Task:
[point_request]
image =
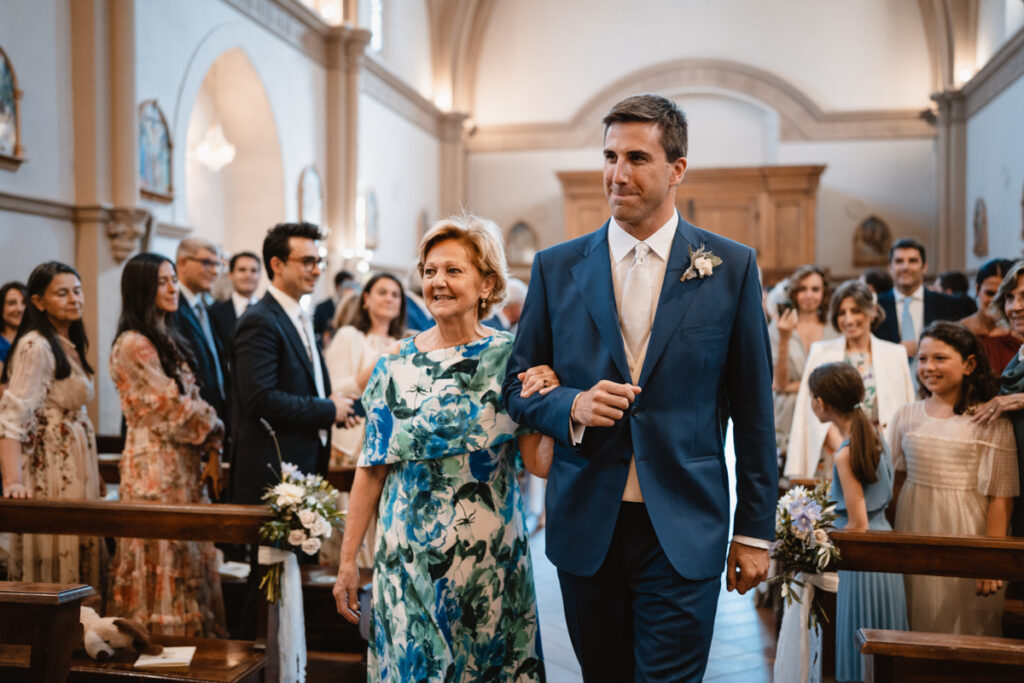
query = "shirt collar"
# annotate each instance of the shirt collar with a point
(292, 307)
(242, 301)
(621, 242)
(190, 296)
(916, 295)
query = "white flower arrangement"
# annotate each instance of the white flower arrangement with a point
(803, 519)
(305, 511)
(702, 264)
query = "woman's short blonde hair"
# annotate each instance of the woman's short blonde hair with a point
(486, 246)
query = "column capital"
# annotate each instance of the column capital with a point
(345, 47)
(453, 125)
(122, 225)
(952, 106)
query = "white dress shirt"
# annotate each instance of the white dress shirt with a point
(916, 309)
(304, 326)
(241, 303)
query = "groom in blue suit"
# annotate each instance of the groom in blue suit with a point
(655, 331)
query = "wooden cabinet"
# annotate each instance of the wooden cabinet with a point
(770, 208)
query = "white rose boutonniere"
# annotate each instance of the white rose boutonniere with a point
(702, 264)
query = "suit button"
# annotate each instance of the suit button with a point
(624, 461)
(634, 411)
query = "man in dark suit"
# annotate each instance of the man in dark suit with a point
(909, 306)
(244, 272)
(323, 314)
(280, 377)
(198, 261)
(656, 333)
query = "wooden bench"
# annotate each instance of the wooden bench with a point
(916, 656)
(219, 661)
(45, 616)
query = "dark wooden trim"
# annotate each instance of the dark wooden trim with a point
(18, 592)
(902, 553)
(964, 648)
(224, 523)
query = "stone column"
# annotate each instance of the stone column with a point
(453, 163)
(951, 147)
(344, 62)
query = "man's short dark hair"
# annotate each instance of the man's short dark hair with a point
(996, 267)
(907, 243)
(650, 108)
(878, 279)
(276, 241)
(954, 281)
(342, 277)
(241, 254)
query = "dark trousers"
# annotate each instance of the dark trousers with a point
(637, 618)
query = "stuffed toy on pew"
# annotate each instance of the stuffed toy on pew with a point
(103, 636)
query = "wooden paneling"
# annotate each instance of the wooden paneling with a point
(770, 208)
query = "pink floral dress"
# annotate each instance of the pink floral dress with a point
(58, 449)
(171, 586)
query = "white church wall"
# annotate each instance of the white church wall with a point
(995, 173)
(542, 61)
(998, 21)
(399, 162)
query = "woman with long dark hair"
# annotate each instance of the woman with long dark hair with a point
(47, 444)
(13, 299)
(171, 586)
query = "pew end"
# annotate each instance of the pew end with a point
(910, 657)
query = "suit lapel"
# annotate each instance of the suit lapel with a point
(291, 335)
(676, 296)
(593, 276)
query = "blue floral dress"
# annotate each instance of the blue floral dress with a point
(453, 593)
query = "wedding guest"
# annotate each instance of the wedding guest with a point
(1009, 304)
(13, 296)
(881, 364)
(801, 321)
(878, 279)
(862, 477)
(956, 473)
(989, 325)
(453, 592)
(47, 444)
(324, 312)
(170, 586)
(954, 283)
(244, 272)
(507, 318)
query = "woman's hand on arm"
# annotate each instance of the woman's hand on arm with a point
(538, 452)
(362, 505)
(988, 412)
(538, 379)
(10, 469)
(997, 521)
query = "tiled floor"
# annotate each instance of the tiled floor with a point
(743, 647)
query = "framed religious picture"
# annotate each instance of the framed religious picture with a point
(311, 196)
(871, 242)
(154, 153)
(11, 152)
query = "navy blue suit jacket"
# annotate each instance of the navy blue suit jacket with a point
(936, 307)
(206, 371)
(708, 359)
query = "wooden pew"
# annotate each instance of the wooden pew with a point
(215, 660)
(45, 614)
(915, 656)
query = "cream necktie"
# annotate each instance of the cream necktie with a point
(637, 302)
(307, 340)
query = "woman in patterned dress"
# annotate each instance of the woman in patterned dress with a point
(171, 586)
(453, 592)
(47, 444)
(882, 366)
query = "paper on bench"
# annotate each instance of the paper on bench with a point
(170, 658)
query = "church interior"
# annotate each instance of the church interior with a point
(820, 132)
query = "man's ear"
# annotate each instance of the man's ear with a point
(678, 171)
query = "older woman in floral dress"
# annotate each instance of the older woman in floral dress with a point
(171, 586)
(453, 592)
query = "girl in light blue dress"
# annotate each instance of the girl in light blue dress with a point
(862, 478)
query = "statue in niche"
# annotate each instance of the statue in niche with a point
(871, 242)
(980, 228)
(521, 244)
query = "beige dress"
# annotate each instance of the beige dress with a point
(58, 448)
(954, 467)
(349, 353)
(170, 586)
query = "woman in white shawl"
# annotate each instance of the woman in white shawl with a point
(882, 365)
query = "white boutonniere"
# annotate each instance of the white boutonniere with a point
(702, 264)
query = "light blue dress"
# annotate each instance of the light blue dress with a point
(866, 599)
(453, 593)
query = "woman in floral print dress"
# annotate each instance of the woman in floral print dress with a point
(453, 592)
(171, 586)
(47, 444)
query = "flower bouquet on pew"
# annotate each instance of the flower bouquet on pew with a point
(803, 520)
(305, 508)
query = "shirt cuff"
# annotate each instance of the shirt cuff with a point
(576, 429)
(752, 542)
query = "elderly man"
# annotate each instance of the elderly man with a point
(507, 319)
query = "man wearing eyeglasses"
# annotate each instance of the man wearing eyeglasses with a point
(198, 264)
